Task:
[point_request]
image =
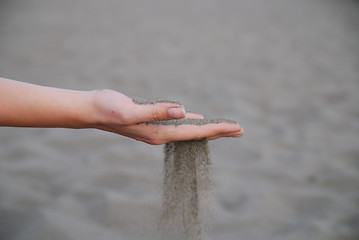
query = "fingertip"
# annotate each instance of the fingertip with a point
(238, 134)
(176, 112)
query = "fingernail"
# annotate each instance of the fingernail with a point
(176, 113)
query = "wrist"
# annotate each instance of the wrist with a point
(90, 117)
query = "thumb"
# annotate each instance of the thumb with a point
(157, 112)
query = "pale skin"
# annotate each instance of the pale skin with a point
(29, 105)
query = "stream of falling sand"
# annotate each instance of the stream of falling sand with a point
(187, 188)
(187, 183)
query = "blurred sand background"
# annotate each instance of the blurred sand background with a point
(286, 70)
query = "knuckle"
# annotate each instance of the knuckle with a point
(125, 119)
(156, 116)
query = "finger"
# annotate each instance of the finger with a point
(233, 135)
(196, 132)
(156, 112)
(193, 115)
(160, 134)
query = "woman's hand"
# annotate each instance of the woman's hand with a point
(28, 105)
(119, 114)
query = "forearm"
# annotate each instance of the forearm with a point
(28, 105)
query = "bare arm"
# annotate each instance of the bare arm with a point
(29, 105)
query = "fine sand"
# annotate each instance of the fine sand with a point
(286, 70)
(187, 189)
(187, 182)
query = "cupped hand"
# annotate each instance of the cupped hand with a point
(118, 113)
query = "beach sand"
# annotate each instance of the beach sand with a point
(187, 190)
(187, 182)
(286, 70)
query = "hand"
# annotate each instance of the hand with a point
(29, 105)
(119, 114)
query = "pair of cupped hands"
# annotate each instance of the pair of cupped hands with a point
(126, 117)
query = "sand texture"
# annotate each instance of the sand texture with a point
(186, 190)
(178, 122)
(138, 100)
(285, 70)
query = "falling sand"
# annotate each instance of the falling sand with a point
(187, 183)
(186, 189)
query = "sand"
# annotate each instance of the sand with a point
(143, 101)
(187, 190)
(286, 70)
(178, 122)
(187, 184)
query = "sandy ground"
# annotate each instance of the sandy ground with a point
(286, 70)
